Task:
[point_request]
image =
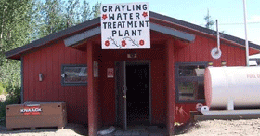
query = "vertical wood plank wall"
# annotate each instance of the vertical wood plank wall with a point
(48, 61)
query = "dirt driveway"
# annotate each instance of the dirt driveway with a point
(70, 130)
(249, 127)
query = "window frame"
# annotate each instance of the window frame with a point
(187, 78)
(72, 65)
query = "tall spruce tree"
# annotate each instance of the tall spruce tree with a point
(56, 15)
(15, 31)
(86, 11)
(96, 10)
(51, 17)
(209, 21)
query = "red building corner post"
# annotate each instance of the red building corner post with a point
(92, 104)
(170, 72)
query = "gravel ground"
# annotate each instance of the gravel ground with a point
(69, 130)
(250, 127)
(241, 127)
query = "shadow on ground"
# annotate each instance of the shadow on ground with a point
(185, 128)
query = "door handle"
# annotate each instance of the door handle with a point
(124, 91)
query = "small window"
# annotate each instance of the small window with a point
(191, 70)
(74, 75)
(190, 81)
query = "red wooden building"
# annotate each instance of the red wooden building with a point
(163, 83)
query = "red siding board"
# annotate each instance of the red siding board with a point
(209, 48)
(224, 50)
(232, 59)
(71, 91)
(193, 52)
(55, 72)
(200, 51)
(37, 87)
(50, 74)
(44, 71)
(30, 71)
(243, 57)
(25, 78)
(238, 57)
(187, 53)
(253, 51)
(204, 44)
(158, 92)
(61, 61)
(181, 54)
(108, 96)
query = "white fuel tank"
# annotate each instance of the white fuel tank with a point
(238, 84)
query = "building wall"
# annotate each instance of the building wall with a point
(106, 89)
(200, 50)
(48, 61)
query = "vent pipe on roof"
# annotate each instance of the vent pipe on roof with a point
(216, 52)
(218, 41)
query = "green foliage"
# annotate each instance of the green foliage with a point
(209, 21)
(86, 14)
(13, 94)
(52, 16)
(2, 89)
(96, 10)
(15, 31)
(27, 20)
(13, 97)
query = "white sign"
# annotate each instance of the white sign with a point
(125, 26)
(110, 72)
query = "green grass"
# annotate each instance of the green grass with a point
(2, 89)
(12, 98)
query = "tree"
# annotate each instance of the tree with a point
(27, 20)
(49, 17)
(96, 10)
(209, 21)
(22, 21)
(55, 15)
(72, 13)
(86, 14)
(15, 31)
